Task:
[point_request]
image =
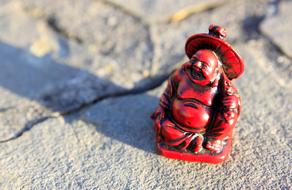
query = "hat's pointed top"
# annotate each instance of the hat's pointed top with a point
(217, 31)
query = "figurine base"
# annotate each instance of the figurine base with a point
(204, 157)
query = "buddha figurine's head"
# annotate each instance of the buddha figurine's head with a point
(204, 67)
(212, 50)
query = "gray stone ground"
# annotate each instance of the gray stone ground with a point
(79, 79)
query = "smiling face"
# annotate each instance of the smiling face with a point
(204, 67)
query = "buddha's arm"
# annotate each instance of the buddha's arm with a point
(225, 118)
(168, 94)
(227, 114)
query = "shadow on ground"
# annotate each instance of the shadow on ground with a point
(125, 119)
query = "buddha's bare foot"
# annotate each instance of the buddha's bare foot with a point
(215, 145)
(198, 141)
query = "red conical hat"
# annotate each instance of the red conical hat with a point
(233, 64)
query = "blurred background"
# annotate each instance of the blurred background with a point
(71, 64)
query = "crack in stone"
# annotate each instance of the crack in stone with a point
(53, 24)
(251, 27)
(272, 11)
(274, 46)
(27, 127)
(154, 83)
(251, 30)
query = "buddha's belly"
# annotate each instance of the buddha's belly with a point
(191, 114)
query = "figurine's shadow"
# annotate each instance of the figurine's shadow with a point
(125, 119)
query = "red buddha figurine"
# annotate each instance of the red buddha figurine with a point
(200, 106)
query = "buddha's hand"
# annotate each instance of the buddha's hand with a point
(214, 145)
(159, 113)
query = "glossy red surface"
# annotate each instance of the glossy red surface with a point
(190, 157)
(233, 64)
(200, 106)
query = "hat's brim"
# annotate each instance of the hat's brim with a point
(233, 64)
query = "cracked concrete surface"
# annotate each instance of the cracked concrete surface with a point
(79, 79)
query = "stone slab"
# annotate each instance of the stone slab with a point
(278, 29)
(112, 146)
